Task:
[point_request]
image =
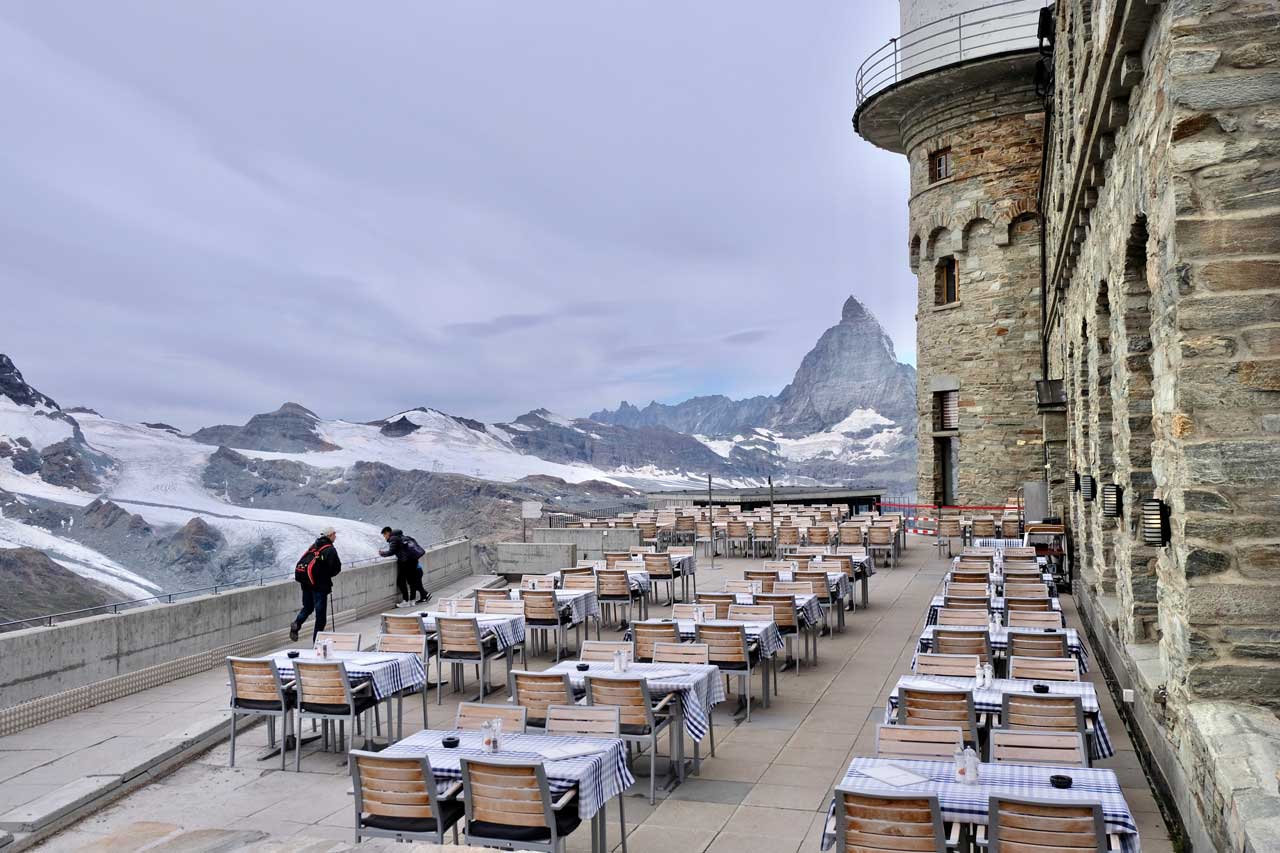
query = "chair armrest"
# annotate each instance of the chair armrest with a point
(980, 835)
(953, 836)
(666, 700)
(363, 687)
(453, 791)
(565, 800)
(292, 685)
(1113, 842)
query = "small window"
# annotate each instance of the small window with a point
(946, 410)
(939, 165)
(946, 286)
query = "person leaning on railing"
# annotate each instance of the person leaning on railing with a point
(314, 573)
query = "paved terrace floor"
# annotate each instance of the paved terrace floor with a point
(765, 791)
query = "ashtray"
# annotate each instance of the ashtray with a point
(1048, 630)
(294, 653)
(451, 742)
(583, 667)
(1040, 688)
(1059, 781)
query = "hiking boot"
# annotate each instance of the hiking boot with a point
(293, 632)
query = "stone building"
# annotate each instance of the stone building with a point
(1155, 210)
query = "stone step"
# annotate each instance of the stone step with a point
(42, 811)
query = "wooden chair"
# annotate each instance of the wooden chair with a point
(961, 616)
(587, 569)
(537, 582)
(1024, 605)
(762, 538)
(983, 528)
(968, 590)
(820, 535)
(920, 707)
(851, 533)
(979, 577)
(964, 602)
(1032, 747)
(693, 653)
(258, 691)
(612, 558)
(643, 721)
(692, 612)
(685, 531)
(1044, 712)
(583, 581)
(342, 642)
(787, 539)
(1020, 552)
(402, 624)
(602, 650)
(948, 529)
(1034, 619)
(648, 533)
(586, 720)
(881, 540)
(464, 604)
(877, 820)
(1025, 645)
(509, 805)
(419, 646)
(958, 666)
(536, 691)
(728, 649)
(646, 634)
(787, 619)
(821, 585)
(957, 641)
(661, 570)
(325, 693)
(543, 615)
(506, 607)
(1025, 590)
(462, 642)
(743, 586)
(484, 596)
(1026, 824)
(737, 536)
(1044, 669)
(921, 742)
(473, 715)
(399, 798)
(615, 592)
(764, 577)
(793, 588)
(1011, 528)
(722, 601)
(970, 563)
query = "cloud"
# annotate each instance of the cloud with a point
(746, 336)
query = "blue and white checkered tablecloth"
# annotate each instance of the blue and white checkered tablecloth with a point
(808, 608)
(838, 583)
(637, 579)
(581, 603)
(599, 777)
(969, 802)
(764, 633)
(1000, 641)
(700, 687)
(508, 629)
(390, 672)
(685, 565)
(996, 604)
(989, 699)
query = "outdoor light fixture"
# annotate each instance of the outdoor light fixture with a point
(1155, 522)
(1088, 488)
(1111, 500)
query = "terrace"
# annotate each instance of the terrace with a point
(150, 769)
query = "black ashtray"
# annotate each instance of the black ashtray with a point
(294, 653)
(583, 667)
(1040, 688)
(449, 742)
(1058, 781)
(1048, 630)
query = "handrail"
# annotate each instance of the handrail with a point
(945, 42)
(47, 620)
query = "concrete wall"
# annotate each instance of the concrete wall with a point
(534, 558)
(591, 543)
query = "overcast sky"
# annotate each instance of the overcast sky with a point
(212, 207)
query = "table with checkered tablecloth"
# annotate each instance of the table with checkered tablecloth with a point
(837, 583)
(1000, 640)
(598, 777)
(581, 603)
(988, 700)
(507, 629)
(699, 686)
(764, 634)
(808, 608)
(996, 605)
(997, 580)
(637, 579)
(969, 802)
(390, 672)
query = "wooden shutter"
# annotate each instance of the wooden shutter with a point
(950, 409)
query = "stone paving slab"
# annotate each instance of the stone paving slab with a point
(46, 809)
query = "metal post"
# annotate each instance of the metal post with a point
(711, 516)
(775, 532)
(960, 36)
(895, 61)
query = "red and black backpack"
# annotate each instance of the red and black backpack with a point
(306, 565)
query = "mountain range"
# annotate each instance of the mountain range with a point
(136, 507)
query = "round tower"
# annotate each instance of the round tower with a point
(955, 93)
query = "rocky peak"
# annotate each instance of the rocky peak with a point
(289, 429)
(13, 386)
(195, 543)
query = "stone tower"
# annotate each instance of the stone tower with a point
(955, 93)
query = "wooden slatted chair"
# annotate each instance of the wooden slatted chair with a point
(543, 615)
(472, 715)
(880, 540)
(463, 604)
(762, 538)
(646, 634)
(505, 606)
(537, 582)
(960, 616)
(1034, 605)
(969, 563)
(648, 533)
(258, 691)
(787, 619)
(1026, 645)
(851, 533)
(1064, 749)
(787, 539)
(819, 535)
(920, 707)
(958, 641)
(1011, 528)
(722, 601)
(706, 535)
(692, 612)
(342, 641)
(612, 558)
(751, 612)
(585, 580)
(601, 651)
(614, 591)
(921, 742)
(1024, 824)
(1035, 619)
(958, 666)
(417, 645)
(685, 530)
(694, 653)
(971, 576)
(643, 721)
(325, 693)
(407, 624)
(737, 537)
(661, 570)
(878, 820)
(1044, 669)
(742, 586)
(821, 586)
(1044, 712)
(977, 551)
(587, 720)
(948, 529)
(984, 528)
(399, 798)
(1025, 590)
(969, 590)
(484, 596)
(587, 568)
(766, 578)
(536, 691)
(509, 805)
(462, 641)
(958, 602)
(728, 649)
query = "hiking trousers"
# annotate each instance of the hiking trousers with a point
(313, 601)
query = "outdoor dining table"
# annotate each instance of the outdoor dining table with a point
(808, 608)
(1000, 640)
(989, 700)
(581, 604)
(507, 629)
(598, 777)
(764, 634)
(995, 604)
(969, 802)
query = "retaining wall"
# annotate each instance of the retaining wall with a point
(591, 542)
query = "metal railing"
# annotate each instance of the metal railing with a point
(995, 28)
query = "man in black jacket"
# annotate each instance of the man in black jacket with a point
(315, 573)
(408, 572)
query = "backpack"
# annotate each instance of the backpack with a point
(307, 563)
(413, 548)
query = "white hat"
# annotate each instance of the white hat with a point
(328, 532)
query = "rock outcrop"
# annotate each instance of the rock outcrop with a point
(35, 585)
(13, 386)
(289, 429)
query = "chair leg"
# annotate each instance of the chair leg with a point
(622, 822)
(653, 770)
(284, 742)
(233, 739)
(297, 752)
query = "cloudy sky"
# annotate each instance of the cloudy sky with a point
(214, 207)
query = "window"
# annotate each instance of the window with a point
(946, 410)
(946, 287)
(939, 165)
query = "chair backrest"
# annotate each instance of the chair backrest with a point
(1035, 619)
(645, 634)
(1020, 551)
(956, 641)
(920, 707)
(684, 523)
(765, 578)
(874, 820)
(658, 565)
(537, 690)
(1025, 590)
(402, 623)
(963, 602)
(473, 715)
(1042, 712)
(1032, 747)
(1045, 825)
(736, 529)
(1044, 669)
(680, 653)
(879, 536)
(819, 581)
(850, 534)
(584, 581)
(970, 590)
(833, 563)
(613, 584)
(779, 566)
(343, 642)
(459, 635)
(923, 742)
(540, 605)
(584, 568)
(819, 535)
(949, 528)
(692, 611)
(721, 601)
(463, 604)
(984, 528)
(322, 685)
(783, 606)
(725, 644)
(974, 564)
(1010, 528)
(962, 616)
(762, 529)
(628, 693)
(751, 612)
(851, 550)
(747, 586)
(588, 720)
(961, 666)
(417, 644)
(1040, 605)
(508, 793)
(1026, 645)
(255, 680)
(537, 582)
(484, 596)
(602, 650)
(388, 787)
(507, 607)
(977, 551)
(971, 576)
(613, 557)
(793, 588)
(788, 535)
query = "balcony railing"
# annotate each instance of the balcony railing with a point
(973, 33)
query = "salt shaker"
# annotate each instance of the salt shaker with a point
(618, 661)
(977, 674)
(961, 766)
(988, 675)
(970, 766)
